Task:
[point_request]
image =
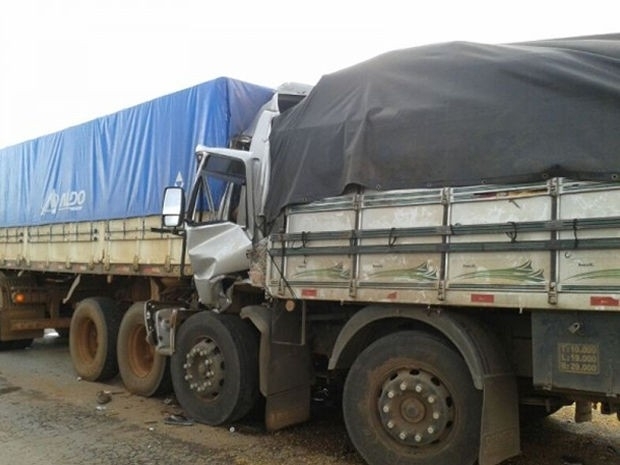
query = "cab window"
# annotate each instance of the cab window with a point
(219, 194)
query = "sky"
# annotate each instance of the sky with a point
(65, 62)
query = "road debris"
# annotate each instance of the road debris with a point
(179, 420)
(103, 397)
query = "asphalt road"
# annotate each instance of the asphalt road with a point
(51, 417)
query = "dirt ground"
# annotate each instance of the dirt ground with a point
(51, 417)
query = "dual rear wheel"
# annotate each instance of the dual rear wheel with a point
(103, 342)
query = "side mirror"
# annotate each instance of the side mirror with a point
(173, 207)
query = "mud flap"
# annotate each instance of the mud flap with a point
(285, 367)
(288, 386)
(499, 431)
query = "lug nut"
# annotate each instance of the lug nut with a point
(436, 415)
(431, 399)
(391, 394)
(418, 438)
(402, 435)
(403, 386)
(390, 424)
(430, 430)
(418, 388)
(386, 408)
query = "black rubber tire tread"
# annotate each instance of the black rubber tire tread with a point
(105, 316)
(238, 341)
(157, 381)
(363, 385)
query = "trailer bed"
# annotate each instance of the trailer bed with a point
(549, 245)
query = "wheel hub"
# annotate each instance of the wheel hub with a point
(413, 410)
(204, 369)
(415, 407)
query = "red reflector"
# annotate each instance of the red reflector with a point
(392, 295)
(308, 292)
(604, 301)
(483, 298)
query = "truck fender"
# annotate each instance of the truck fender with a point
(261, 319)
(483, 354)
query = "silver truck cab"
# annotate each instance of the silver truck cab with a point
(224, 213)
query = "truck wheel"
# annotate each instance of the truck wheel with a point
(143, 370)
(409, 399)
(215, 367)
(92, 338)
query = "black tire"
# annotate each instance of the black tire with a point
(409, 399)
(142, 369)
(227, 389)
(92, 338)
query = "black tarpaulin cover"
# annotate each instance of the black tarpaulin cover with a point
(453, 114)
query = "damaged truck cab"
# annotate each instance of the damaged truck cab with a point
(224, 215)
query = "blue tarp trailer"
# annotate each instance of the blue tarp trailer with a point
(117, 166)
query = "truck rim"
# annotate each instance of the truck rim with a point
(141, 354)
(205, 369)
(409, 398)
(415, 407)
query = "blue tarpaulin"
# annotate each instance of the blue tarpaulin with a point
(117, 166)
